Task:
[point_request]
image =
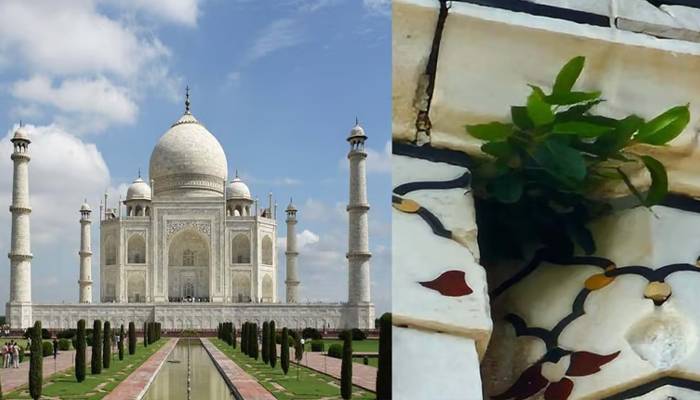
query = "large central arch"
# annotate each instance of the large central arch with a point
(189, 261)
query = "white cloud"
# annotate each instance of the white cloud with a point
(184, 12)
(378, 7)
(97, 97)
(278, 35)
(72, 37)
(90, 66)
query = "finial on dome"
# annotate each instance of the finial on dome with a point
(187, 99)
(139, 172)
(21, 124)
(236, 172)
(357, 121)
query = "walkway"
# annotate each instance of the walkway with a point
(12, 378)
(247, 386)
(135, 385)
(363, 376)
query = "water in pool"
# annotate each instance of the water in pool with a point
(171, 381)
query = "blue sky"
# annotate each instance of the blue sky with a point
(278, 82)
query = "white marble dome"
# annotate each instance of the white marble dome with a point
(139, 190)
(21, 134)
(237, 189)
(357, 132)
(189, 159)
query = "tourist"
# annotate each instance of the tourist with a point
(6, 355)
(15, 355)
(55, 348)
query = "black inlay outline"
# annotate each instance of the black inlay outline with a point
(685, 3)
(462, 182)
(653, 385)
(433, 222)
(430, 153)
(543, 10)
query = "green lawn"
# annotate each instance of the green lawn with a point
(311, 384)
(63, 385)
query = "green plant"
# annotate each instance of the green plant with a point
(383, 384)
(80, 352)
(46, 348)
(96, 360)
(121, 342)
(106, 345)
(64, 344)
(36, 362)
(284, 357)
(335, 350)
(265, 348)
(317, 345)
(66, 334)
(273, 345)
(132, 338)
(346, 368)
(233, 335)
(537, 181)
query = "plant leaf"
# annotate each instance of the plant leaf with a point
(580, 129)
(500, 150)
(561, 161)
(520, 117)
(568, 98)
(664, 127)
(568, 75)
(537, 109)
(630, 186)
(507, 188)
(659, 181)
(577, 111)
(491, 131)
(611, 142)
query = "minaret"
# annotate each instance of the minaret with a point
(85, 253)
(358, 243)
(292, 281)
(20, 252)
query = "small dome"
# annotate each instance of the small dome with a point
(85, 207)
(291, 207)
(139, 190)
(21, 134)
(357, 132)
(237, 190)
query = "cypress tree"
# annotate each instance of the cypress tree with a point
(273, 344)
(145, 334)
(107, 345)
(218, 331)
(346, 367)
(233, 335)
(284, 356)
(244, 338)
(132, 338)
(384, 362)
(80, 352)
(36, 363)
(96, 361)
(265, 345)
(121, 342)
(254, 340)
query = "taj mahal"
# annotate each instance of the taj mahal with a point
(188, 247)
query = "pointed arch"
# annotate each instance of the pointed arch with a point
(240, 249)
(136, 249)
(267, 250)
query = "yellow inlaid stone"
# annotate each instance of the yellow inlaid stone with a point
(598, 281)
(407, 206)
(657, 291)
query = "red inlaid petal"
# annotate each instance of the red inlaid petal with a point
(450, 283)
(585, 363)
(559, 390)
(528, 384)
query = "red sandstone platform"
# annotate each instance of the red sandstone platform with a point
(135, 385)
(245, 385)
